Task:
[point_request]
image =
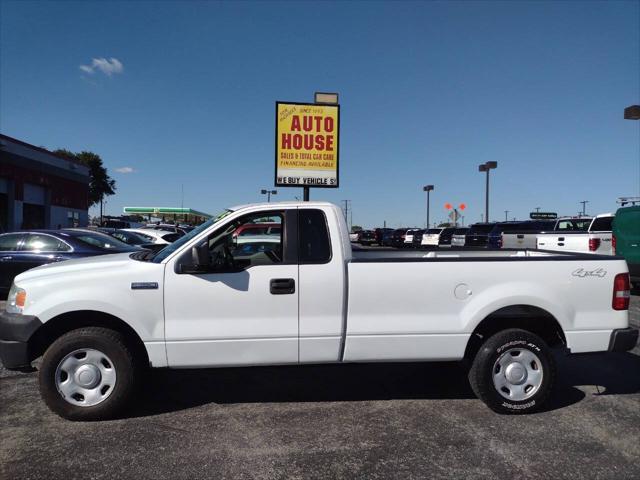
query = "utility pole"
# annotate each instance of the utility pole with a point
(482, 218)
(584, 206)
(347, 210)
(506, 213)
(537, 209)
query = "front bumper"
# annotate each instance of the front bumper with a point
(623, 340)
(15, 332)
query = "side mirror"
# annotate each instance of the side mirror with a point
(200, 261)
(200, 255)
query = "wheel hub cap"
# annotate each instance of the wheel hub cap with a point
(85, 377)
(517, 374)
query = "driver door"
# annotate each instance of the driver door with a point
(244, 309)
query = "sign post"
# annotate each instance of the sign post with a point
(543, 215)
(307, 144)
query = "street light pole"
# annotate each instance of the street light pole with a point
(427, 188)
(633, 113)
(268, 193)
(486, 167)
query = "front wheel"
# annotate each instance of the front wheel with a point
(513, 372)
(88, 374)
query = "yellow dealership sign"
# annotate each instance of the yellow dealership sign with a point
(307, 140)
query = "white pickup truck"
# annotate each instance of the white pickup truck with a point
(528, 237)
(208, 301)
(597, 238)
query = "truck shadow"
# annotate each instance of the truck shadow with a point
(175, 390)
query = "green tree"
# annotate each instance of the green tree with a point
(100, 183)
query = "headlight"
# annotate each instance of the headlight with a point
(16, 300)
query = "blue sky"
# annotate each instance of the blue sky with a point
(428, 91)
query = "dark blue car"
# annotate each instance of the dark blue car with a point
(20, 251)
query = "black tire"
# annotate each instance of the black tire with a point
(482, 371)
(111, 343)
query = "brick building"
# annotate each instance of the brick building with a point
(39, 189)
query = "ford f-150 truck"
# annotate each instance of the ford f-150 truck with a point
(528, 237)
(208, 301)
(597, 238)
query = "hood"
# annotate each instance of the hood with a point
(99, 262)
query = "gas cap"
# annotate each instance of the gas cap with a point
(462, 291)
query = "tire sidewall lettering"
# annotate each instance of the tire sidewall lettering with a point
(514, 343)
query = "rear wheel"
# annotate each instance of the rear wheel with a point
(513, 372)
(88, 374)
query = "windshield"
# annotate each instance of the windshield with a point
(168, 250)
(574, 224)
(129, 238)
(102, 241)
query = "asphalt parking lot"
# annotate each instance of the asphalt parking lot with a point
(337, 421)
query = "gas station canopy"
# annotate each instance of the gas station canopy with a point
(185, 214)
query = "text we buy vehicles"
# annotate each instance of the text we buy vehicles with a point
(597, 238)
(208, 300)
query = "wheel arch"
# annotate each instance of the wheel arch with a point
(66, 322)
(527, 317)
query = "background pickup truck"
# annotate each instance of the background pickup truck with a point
(626, 239)
(597, 238)
(208, 300)
(527, 236)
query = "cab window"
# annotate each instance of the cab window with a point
(246, 242)
(314, 244)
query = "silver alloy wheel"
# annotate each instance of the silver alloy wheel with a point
(517, 374)
(85, 377)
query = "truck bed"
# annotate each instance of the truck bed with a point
(407, 305)
(360, 256)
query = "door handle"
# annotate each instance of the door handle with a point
(282, 286)
(520, 236)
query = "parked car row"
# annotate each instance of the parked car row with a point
(570, 234)
(21, 251)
